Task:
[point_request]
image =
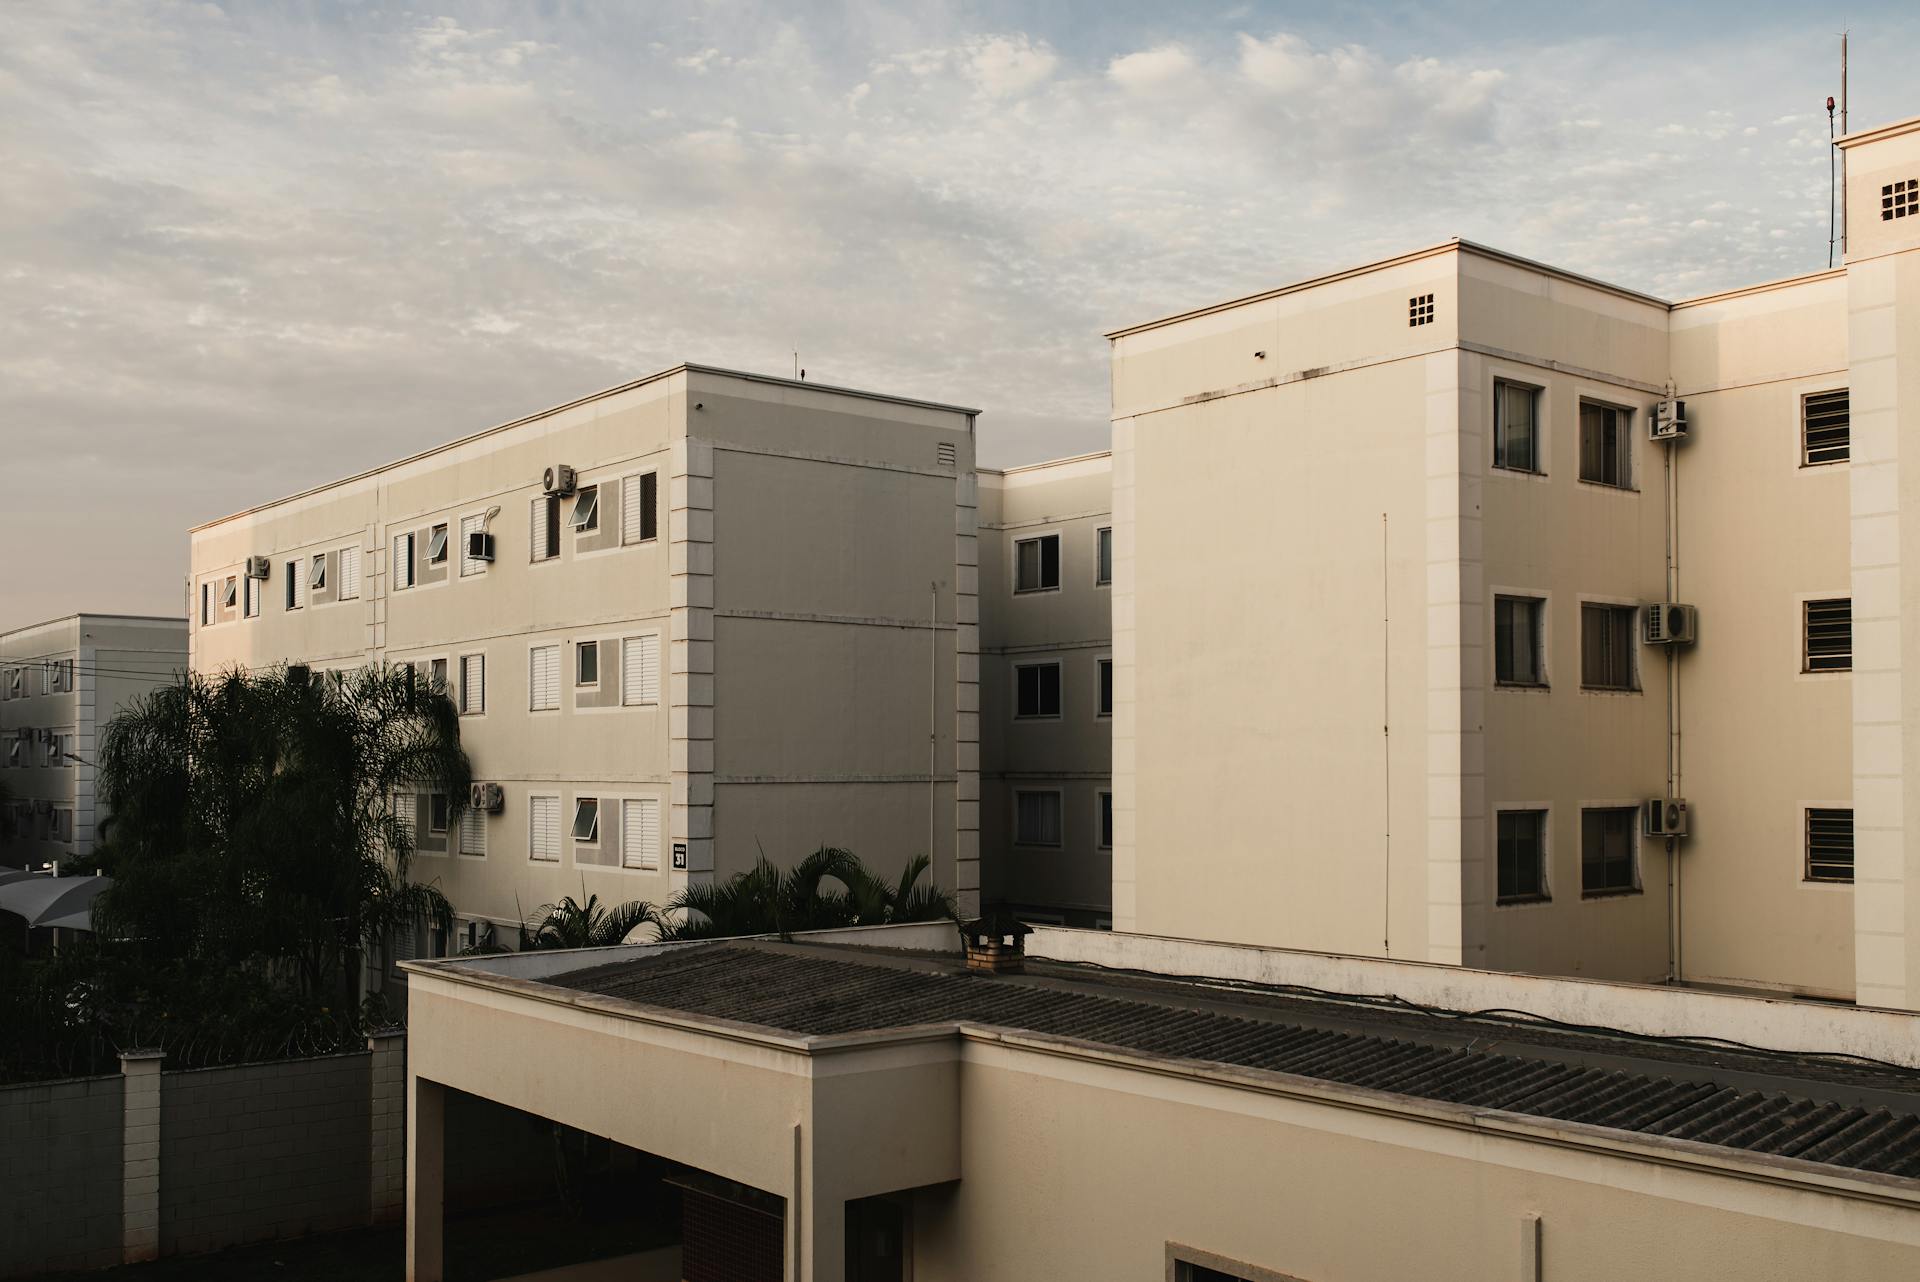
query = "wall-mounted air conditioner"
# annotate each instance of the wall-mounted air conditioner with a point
(1669, 421)
(558, 481)
(479, 546)
(489, 797)
(1670, 623)
(1664, 817)
(259, 567)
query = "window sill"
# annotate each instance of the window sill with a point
(1522, 901)
(1826, 672)
(1807, 466)
(638, 543)
(1622, 893)
(1609, 485)
(1540, 686)
(1826, 881)
(1028, 845)
(1036, 716)
(1035, 591)
(1586, 689)
(1504, 470)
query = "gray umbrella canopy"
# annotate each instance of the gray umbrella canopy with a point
(52, 901)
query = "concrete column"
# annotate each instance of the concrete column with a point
(826, 1257)
(426, 1179)
(140, 1156)
(690, 656)
(966, 696)
(388, 1126)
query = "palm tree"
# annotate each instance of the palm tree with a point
(260, 823)
(765, 900)
(569, 924)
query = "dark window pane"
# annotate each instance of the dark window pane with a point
(1514, 432)
(1829, 635)
(1516, 640)
(1830, 845)
(1521, 855)
(1826, 427)
(1603, 444)
(1606, 850)
(649, 505)
(1606, 647)
(1106, 687)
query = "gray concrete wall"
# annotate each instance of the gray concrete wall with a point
(60, 1175)
(263, 1151)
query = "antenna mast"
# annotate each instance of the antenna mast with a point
(1843, 154)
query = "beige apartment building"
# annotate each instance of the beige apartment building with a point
(1142, 1108)
(61, 682)
(1046, 686)
(1389, 546)
(692, 619)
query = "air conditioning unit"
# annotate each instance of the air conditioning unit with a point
(486, 796)
(1669, 623)
(1669, 422)
(259, 567)
(479, 546)
(1664, 817)
(558, 481)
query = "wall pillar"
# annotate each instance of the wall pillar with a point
(387, 1170)
(966, 696)
(140, 1156)
(426, 1179)
(690, 655)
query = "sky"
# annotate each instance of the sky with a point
(247, 249)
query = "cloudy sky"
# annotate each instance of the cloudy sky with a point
(248, 248)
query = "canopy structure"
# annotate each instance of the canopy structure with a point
(51, 901)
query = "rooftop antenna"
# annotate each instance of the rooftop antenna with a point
(1832, 153)
(1843, 154)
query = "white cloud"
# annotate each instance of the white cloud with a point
(1154, 69)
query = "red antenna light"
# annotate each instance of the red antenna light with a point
(1829, 104)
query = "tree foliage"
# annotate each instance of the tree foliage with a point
(258, 851)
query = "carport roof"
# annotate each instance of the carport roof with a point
(1834, 1111)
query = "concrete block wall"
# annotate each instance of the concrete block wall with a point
(261, 1151)
(60, 1175)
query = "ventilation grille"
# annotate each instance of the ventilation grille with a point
(945, 454)
(1900, 200)
(1420, 309)
(1825, 424)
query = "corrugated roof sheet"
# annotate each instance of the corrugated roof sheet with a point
(823, 992)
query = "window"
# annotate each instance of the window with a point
(586, 510)
(55, 748)
(230, 593)
(546, 527)
(436, 544)
(1828, 628)
(1606, 851)
(1103, 556)
(1038, 690)
(1036, 818)
(1825, 428)
(1829, 844)
(60, 676)
(16, 683)
(349, 573)
(206, 604)
(1106, 688)
(403, 567)
(1037, 564)
(586, 820)
(250, 597)
(437, 675)
(1900, 199)
(473, 683)
(1521, 854)
(317, 572)
(639, 508)
(437, 812)
(640, 670)
(473, 832)
(1420, 310)
(296, 585)
(1519, 624)
(1604, 444)
(640, 834)
(1106, 821)
(543, 678)
(470, 526)
(1606, 647)
(17, 749)
(403, 815)
(1516, 436)
(543, 829)
(586, 664)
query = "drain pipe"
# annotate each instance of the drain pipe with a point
(1673, 704)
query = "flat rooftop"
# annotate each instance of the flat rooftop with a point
(1833, 1110)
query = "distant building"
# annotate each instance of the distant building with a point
(1390, 677)
(61, 682)
(688, 621)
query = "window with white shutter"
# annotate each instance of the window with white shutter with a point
(639, 507)
(640, 834)
(544, 527)
(349, 573)
(403, 814)
(543, 683)
(473, 831)
(640, 670)
(250, 598)
(473, 683)
(470, 526)
(402, 561)
(296, 585)
(543, 829)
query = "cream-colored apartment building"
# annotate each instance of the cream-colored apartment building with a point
(1046, 686)
(61, 682)
(1385, 546)
(686, 621)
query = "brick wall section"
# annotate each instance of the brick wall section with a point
(722, 1241)
(264, 1151)
(60, 1175)
(387, 1169)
